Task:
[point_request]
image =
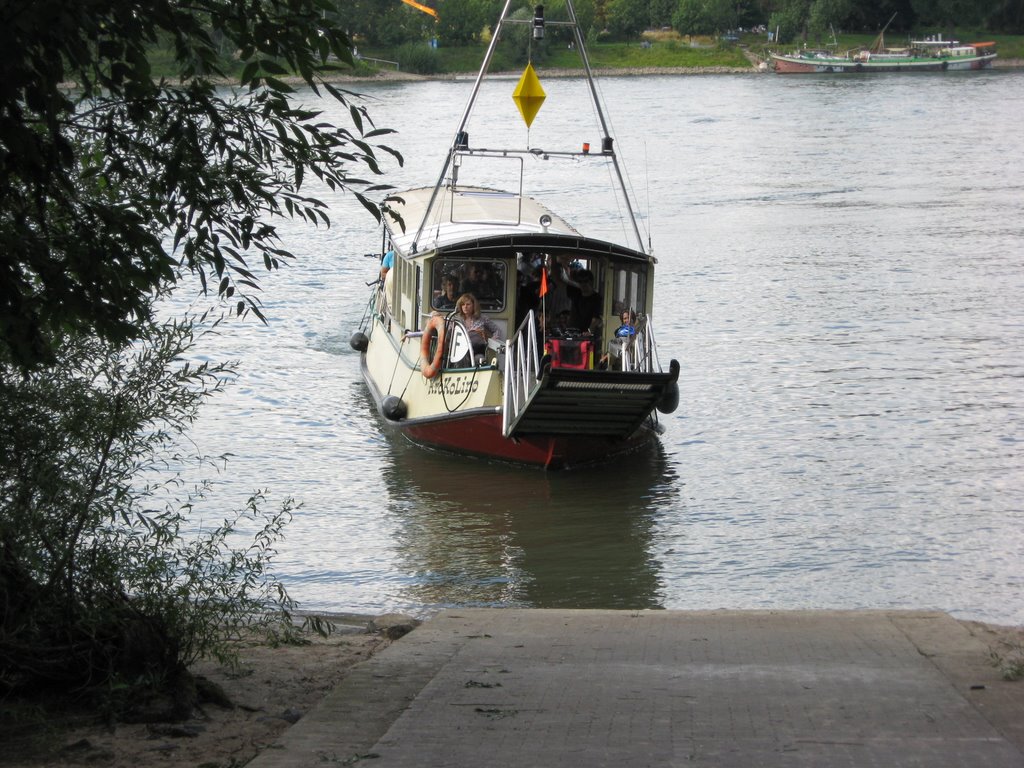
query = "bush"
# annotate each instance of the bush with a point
(100, 586)
(418, 58)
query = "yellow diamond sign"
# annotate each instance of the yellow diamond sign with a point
(529, 95)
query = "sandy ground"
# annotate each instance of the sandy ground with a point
(271, 689)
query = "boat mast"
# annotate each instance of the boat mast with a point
(459, 132)
(459, 140)
(879, 45)
(606, 141)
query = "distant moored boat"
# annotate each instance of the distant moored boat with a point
(935, 55)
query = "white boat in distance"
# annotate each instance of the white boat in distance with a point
(502, 331)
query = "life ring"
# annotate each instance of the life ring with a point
(434, 325)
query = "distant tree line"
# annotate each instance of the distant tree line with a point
(464, 22)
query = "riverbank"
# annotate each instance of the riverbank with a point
(757, 67)
(272, 688)
(397, 76)
(393, 75)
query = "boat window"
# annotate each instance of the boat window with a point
(406, 291)
(420, 312)
(629, 288)
(450, 278)
(571, 265)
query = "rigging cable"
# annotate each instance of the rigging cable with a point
(628, 189)
(647, 188)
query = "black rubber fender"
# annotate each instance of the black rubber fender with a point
(670, 398)
(359, 341)
(393, 408)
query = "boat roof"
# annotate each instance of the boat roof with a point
(467, 219)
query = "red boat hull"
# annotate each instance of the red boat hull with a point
(480, 434)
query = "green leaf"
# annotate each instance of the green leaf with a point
(369, 205)
(357, 117)
(146, 164)
(249, 72)
(271, 66)
(278, 85)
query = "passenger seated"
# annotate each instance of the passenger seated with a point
(586, 303)
(480, 327)
(448, 296)
(477, 282)
(559, 325)
(628, 327)
(625, 336)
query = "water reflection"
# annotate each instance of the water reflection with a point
(470, 532)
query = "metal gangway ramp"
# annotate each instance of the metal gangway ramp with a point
(607, 403)
(541, 399)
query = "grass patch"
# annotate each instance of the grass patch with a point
(1009, 660)
(671, 51)
(658, 55)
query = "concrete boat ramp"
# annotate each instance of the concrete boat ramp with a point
(506, 687)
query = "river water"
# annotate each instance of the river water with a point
(841, 279)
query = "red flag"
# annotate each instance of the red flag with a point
(543, 282)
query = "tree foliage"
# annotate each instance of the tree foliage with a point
(461, 22)
(704, 17)
(627, 18)
(383, 22)
(587, 16)
(943, 13)
(113, 185)
(106, 188)
(389, 23)
(827, 15)
(661, 12)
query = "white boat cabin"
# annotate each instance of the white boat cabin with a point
(495, 245)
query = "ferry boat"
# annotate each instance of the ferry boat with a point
(497, 328)
(930, 55)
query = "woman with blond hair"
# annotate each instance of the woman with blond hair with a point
(480, 327)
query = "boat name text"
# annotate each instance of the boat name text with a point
(453, 385)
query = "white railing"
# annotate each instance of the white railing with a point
(395, 64)
(522, 366)
(640, 353)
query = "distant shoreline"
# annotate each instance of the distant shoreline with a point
(397, 76)
(385, 76)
